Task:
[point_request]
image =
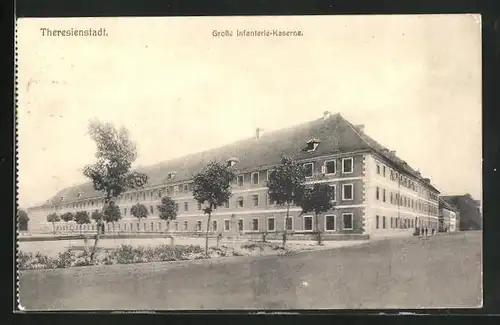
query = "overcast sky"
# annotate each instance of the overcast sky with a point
(414, 81)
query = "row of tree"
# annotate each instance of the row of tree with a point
(112, 213)
(111, 175)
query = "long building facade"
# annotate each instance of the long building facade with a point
(375, 192)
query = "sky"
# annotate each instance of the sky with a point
(413, 81)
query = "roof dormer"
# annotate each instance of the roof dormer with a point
(312, 144)
(232, 161)
(171, 175)
(79, 195)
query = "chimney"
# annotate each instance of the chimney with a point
(360, 127)
(258, 133)
(326, 114)
(393, 152)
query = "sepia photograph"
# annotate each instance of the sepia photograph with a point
(249, 163)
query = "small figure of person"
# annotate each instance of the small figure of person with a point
(432, 231)
(425, 232)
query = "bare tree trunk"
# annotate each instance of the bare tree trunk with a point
(206, 235)
(286, 221)
(318, 232)
(53, 228)
(96, 241)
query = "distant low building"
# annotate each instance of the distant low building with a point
(468, 211)
(448, 217)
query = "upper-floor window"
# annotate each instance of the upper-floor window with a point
(255, 178)
(347, 191)
(239, 202)
(185, 188)
(240, 180)
(377, 194)
(186, 206)
(334, 192)
(255, 200)
(383, 171)
(269, 172)
(151, 209)
(308, 169)
(330, 167)
(347, 165)
(383, 195)
(378, 169)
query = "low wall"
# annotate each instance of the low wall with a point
(255, 236)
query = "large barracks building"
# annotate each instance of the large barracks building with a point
(375, 192)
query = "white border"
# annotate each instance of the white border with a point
(284, 223)
(334, 167)
(251, 178)
(352, 192)
(304, 223)
(312, 169)
(352, 165)
(267, 224)
(224, 228)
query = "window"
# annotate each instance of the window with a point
(185, 225)
(288, 223)
(312, 144)
(383, 195)
(255, 224)
(330, 223)
(377, 222)
(377, 195)
(176, 190)
(124, 226)
(151, 209)
(269, 172)
(177, 207)
(125, 211)
(347, 221)
(227, 225)
(308, 169)
(330, 167)
(270, 200)
(240, 225)
(176, 226)
(347, 165)
(378, 169)
(271, 224)
(391, 198)
(255, 178)
(255, 199)
(334, 192)
(198, 225)
(198, 206)
(144, 226)
(383, 171)
(186, 188)
(347, 192)
(308, 223)
(186, 206)
(383, 222)
(214, 225)
(392, 222)
(240, 180)
(239, 202)
(152, 226)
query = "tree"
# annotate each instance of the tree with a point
(97, 215)
(81, 218)
(286, 185)
(139, 211)
(112, 213)
(167, 210)
(317, 199)
(53, 218)
(22, 219)
(212, 187)
(111, 174)
(67, 217)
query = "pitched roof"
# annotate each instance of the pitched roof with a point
(447, 205)
(335, 134)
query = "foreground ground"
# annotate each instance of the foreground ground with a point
(442, 271)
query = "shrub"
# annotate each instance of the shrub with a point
(65, 259)
(23, 260)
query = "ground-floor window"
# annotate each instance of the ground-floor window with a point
(159, 226)
(144, 226)
(392, 222)
(347, 221)
(176, 226)
(227, 225)
(198, 225)
(240, 225)
(124, 226)
(255, 224)
(383, 222)
(308, 223)
(330, 223)
(377, 222)
(185, 225)
(152, 226)
(288, 223)
(214, 225)
(118, 226)
(271, 224)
